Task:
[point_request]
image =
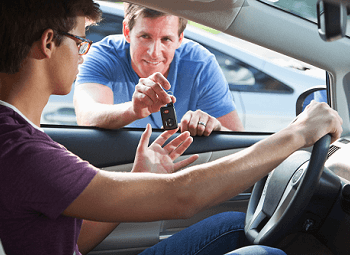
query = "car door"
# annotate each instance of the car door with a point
(114, 150)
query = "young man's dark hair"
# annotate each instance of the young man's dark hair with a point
(24, 24)
(133, 11)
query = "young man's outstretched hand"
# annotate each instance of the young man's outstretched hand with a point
(158, 159)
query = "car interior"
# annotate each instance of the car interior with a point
(303, 206)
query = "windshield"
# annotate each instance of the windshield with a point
(306, 9)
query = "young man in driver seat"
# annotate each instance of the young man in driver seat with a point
(53, 202)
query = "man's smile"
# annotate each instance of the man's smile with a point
(153, 62)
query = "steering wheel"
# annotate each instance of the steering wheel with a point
(278, 200)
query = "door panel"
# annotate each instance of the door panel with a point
(104, 148)
(114, 150)
(130, 238)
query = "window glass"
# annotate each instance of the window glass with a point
(110, 24)
(306, 9)
(242, 77)
(264, 84)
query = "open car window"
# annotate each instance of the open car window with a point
(264, 84)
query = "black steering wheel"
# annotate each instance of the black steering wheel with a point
(278, 200)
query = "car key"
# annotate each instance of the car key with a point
(169, 116)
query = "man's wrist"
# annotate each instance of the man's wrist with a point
(295, 137)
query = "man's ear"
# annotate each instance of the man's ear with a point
(47, 43)
(181, 37)
(126, 32)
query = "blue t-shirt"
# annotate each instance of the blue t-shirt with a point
(39, 180)
(196, 79)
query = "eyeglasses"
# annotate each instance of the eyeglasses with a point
(83, 46)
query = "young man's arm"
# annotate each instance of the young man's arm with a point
(128, 197)
(94, 103)
(93, 233)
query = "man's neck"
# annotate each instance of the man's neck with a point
(19, 112)
(24, 92)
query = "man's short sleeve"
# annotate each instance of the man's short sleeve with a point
(215, 96)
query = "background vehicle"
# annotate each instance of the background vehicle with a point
(324, 224)
(254, 80)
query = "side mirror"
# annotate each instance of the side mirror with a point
(317, 93)
(332, 19)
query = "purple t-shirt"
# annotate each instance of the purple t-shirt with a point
(39, 179)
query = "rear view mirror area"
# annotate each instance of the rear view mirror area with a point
(332, 19)
(317, 93)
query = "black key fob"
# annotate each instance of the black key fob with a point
(168, 116)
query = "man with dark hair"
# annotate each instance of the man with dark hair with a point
(112, 90)
(52, 202)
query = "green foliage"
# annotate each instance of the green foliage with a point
(208, 29)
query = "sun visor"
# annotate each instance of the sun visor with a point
(218, 14)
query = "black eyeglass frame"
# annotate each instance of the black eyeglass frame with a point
(83, 41)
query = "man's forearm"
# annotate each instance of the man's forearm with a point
(224, 178)
(231, 121)
(94, 106)
(105, 115)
